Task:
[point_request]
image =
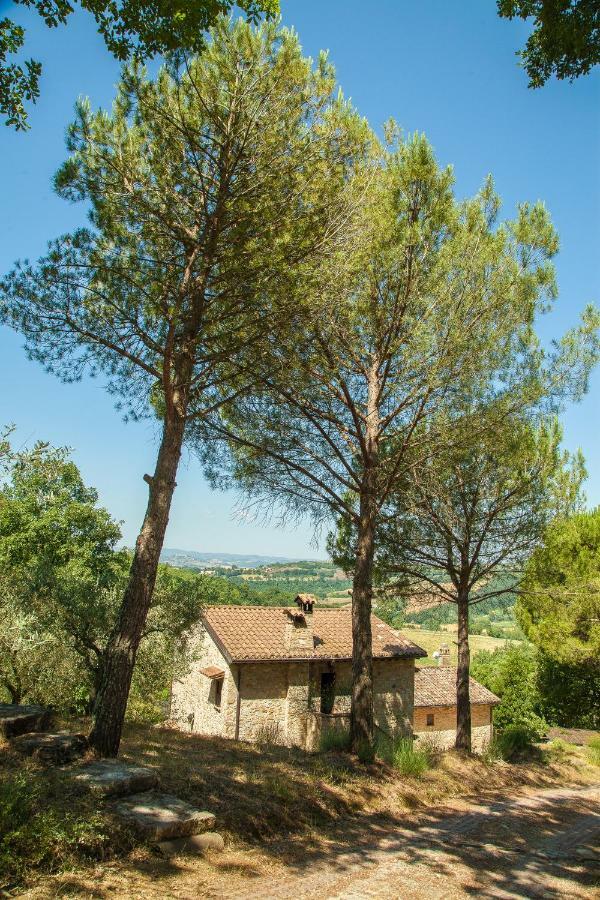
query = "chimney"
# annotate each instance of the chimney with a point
(444, 655)
(299, 634)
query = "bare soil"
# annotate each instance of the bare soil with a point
(298, 824)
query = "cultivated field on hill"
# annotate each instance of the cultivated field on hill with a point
(431, 640)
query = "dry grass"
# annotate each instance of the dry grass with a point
(280, 808)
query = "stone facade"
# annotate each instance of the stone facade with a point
(443, 728)
(193, 697)
(281, 700)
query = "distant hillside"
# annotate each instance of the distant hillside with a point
(192, 559)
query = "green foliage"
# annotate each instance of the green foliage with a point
(403, 755)
(565, 41)
(594, 750)
(130, 28)
(569, 692)
(559, 607)
(60, 583)
(44, 827)
(512, 675)
(335, 740)
(515, 740)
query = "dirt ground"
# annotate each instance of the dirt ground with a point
(544, 844)
(325, 826)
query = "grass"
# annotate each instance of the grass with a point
(431, 640)
(275, 806)
(49, 824)
(406, 758)
(594, 751)
(334, 739)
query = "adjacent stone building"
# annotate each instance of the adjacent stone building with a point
(435, 708)
(284, 674)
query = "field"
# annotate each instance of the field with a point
(431, 640)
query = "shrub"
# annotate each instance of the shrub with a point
(44, 828)
(594, 751)
(512, 673)
(336, 739)
(491, 752)
(513, 741)
(269, 734)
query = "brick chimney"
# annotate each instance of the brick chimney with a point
(444, 658)
(299, 634)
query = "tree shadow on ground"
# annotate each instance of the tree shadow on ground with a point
(290, 816)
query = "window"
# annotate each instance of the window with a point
(217, 687)
(430, 718)
(327, 692)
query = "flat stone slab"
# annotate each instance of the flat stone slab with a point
(16, 720)
(195, 843)
(159, 817)
(112, 778)
(55, 749)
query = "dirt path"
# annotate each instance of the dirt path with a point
(545, 845)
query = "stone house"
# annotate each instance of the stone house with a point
(285, 674)
(273, 673)
(435, 707)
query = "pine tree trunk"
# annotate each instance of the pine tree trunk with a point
(361, 722)
(111, 703)
(463, 700)
(362, 650)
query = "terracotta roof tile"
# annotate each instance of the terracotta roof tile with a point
(437, 687)
(247, 633)
(212, 672)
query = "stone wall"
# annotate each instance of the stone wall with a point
(393, 687)
(263, 707)
(443, 730)
(280, 701)
(193, 695)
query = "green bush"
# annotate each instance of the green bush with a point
(570, 692)
(45, 827)
(513, 741)
(491, 752)
(512, 674)
(336, 739)
(410, 760)
(594, 751)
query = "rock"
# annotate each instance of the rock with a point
(195, 843)
(588, 853)
(159, 817)
(112, 778)
(54, 749)
(16, 720)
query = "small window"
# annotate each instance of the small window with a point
(218, 692)
(430, 718)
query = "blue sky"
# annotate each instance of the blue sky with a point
(446, 69)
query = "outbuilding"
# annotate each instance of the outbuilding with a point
(435, 707)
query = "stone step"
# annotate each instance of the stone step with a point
(113, 778)
(160, 817)
(194, 843)
(15, 720)
(53, 749)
